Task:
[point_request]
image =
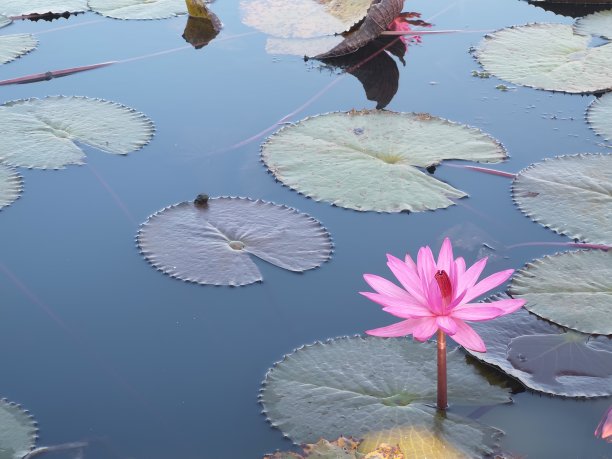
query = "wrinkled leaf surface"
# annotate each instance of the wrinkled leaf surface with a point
(599, 116)
(14, 46)
(10, 185)
(24, 7)
(139, 9)
(17, 431)
(598, 24)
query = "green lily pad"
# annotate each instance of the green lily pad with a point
(353, 386)
(599, 116)
(303, 18)
(10, 185)
(212, 243)
(598, 24)
(547, 56)
(572, 289)
(14, 46)
(373, 160)
(570, 195)
(18, 432)
(24, 7)
(41, 133)
(544, 357)
(139, 9)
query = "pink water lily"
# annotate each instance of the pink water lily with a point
(438, 296)
(604, 429)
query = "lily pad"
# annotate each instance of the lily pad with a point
(212, 243)
(25, 7)
(4, 21)
(14, 46)
(570, 195)
(139, 9)
(41, 133)
(547, 56)
(302, 46)
(18, 432)
(342, 448)
(572, 289)
(353, 386)
(372, 160)
(303, 18)
(598, 24)
(599, 116)
(10, 185)
(544, 357)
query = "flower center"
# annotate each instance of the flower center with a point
(444, 284)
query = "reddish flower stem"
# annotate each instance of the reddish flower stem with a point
(442, 389)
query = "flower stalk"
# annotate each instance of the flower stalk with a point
(442, 385)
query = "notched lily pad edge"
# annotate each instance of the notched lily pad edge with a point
(23, 53)
(116, 18)
(374, 110)
(529, 214)
(474, 51)
(17, 178)
(260, 280)
(27, 414)
(587, 114)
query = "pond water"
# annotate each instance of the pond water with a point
(101, 347)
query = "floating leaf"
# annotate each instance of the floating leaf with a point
(14, 46)
(599, 116)
(572, 289)
(303, 18)
(41, 133)
(571, 195)
(370, 160)
(342, 448)
(10, 185)
(25, 7)
(598, 24)
(353, 386)
(302, 46)
(4, 21)
(18, 431)
(547, 56)
(552, 363)
(212, 242)
(139, 9)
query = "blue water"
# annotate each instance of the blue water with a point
(101, 347)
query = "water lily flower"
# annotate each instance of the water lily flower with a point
(604, 429)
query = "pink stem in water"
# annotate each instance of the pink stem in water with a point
(53, 74)
(442, 384)
(581, 245)
(485, 170)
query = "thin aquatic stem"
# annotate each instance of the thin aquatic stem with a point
(442, 384)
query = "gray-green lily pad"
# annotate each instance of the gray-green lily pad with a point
(14, 46)
(572, 289)
(570, 195)
(25, 7)
(303, 18)
(18, 431)
(597, 24)
(546, 358)
(547, 56)
(139, 9)
(10, 185)
(373, 160)
(4, 21)
(353, 386)
(213, 242)
(599, 116)
(41, 133)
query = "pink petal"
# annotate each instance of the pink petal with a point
(407, 277)
(408, 313)
(402, 328)
(460, 266)
(468, 338)
(390, 301)
(426, 266)
(385, 287)
(456, 302)
(411, 264)
(508, 306)
(445, 257)
(469, 278)
(434, 298)
(478, 312)
(487, 284)
(424, 328)
(447, 324)
(604, 429)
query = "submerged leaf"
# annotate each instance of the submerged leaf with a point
(598, 24)
(25, 7)
(10, 185)
(14, 46)
(212, 242)
(371, 160)
(353, 386)
(41, 133)
(547, 56)
(599, 116)
(303, 18)
(139, 9)
(18, 431)
(572, 289)
(544, 359)
(571, 195)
